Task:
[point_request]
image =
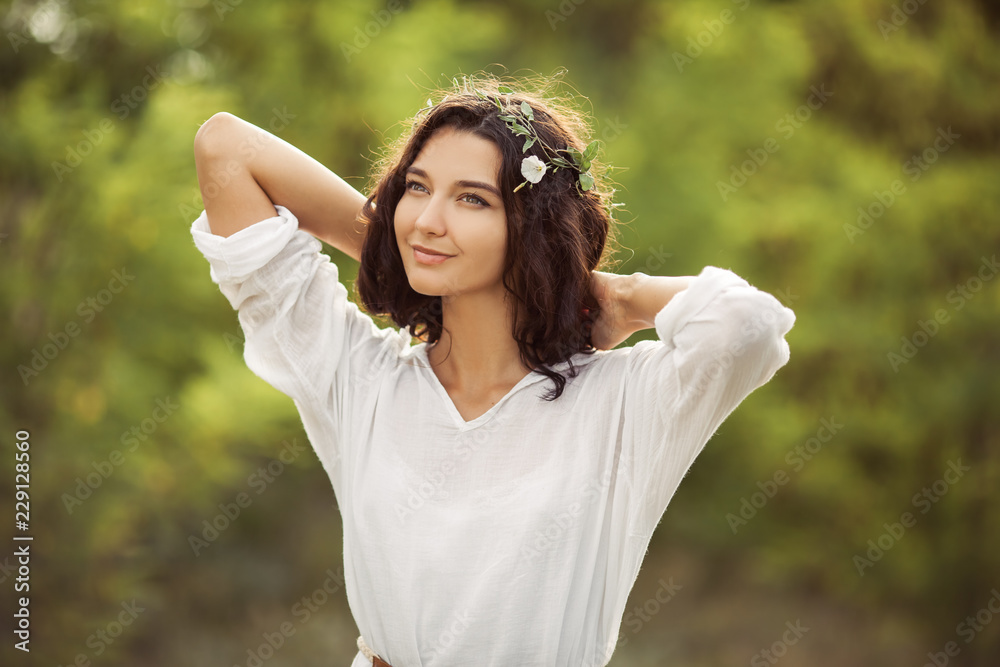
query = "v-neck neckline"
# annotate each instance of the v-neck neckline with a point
(449, 404)
(419, 351)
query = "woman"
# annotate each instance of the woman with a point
(484, 522)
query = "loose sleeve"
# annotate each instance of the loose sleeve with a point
(303, 335)
(719, 340)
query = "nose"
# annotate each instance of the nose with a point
(431, 219)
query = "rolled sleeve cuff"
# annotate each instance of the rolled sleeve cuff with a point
(684, 307)
(237, 256)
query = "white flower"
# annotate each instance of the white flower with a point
(533, 169)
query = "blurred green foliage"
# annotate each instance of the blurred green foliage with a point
(755, 136)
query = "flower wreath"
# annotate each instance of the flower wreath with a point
(519, 119)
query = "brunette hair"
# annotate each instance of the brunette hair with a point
(556, 233)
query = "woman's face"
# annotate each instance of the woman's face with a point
(452, 205)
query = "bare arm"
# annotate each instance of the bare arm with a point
(630, 303)
(243, 171)
(649, 295)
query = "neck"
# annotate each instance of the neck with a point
(476, 349)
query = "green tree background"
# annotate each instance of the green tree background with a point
(840, 155)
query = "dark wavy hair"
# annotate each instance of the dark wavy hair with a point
(556, 234)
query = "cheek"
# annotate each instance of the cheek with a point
(492, 246)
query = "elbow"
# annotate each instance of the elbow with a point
(760, 336)
(765, 319)
(215, 138)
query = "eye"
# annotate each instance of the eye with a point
(474, 199)
(411, 185)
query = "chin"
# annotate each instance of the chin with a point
(426, 287)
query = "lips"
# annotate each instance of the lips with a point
(428, 251)
(422, 257)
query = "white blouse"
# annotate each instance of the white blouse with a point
(514, 538)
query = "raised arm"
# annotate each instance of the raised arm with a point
(629, 303)
(243, 171)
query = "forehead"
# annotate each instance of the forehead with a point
(452, 154)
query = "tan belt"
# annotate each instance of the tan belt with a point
(370, 654)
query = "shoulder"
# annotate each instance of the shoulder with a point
(597, 367)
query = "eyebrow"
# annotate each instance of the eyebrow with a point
(463, 184)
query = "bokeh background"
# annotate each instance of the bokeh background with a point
(841, 155)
